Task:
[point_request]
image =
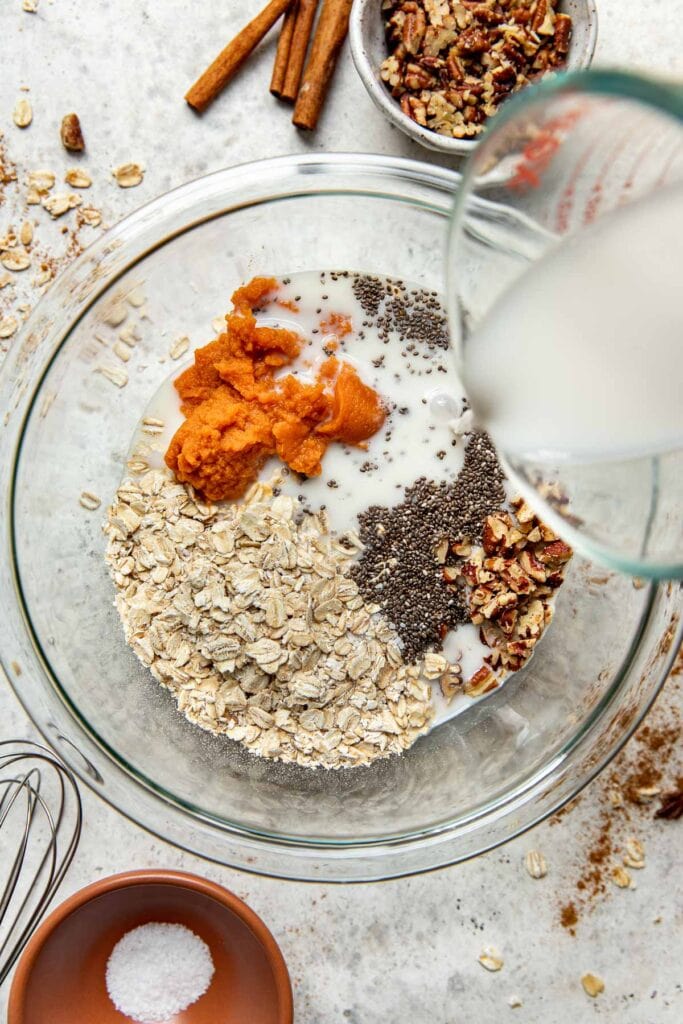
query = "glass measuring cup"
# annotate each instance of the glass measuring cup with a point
(565, 261)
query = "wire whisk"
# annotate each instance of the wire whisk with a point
(40, 827)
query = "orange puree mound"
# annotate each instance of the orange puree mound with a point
(357, 413)
(221, 446)
(238, 414)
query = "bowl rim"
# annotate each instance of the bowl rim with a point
(541, 792)
(392, 111)
(151, 876)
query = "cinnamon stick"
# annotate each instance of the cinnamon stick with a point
(230, 60)
(284, 45)
(333, 25)
(297, 54)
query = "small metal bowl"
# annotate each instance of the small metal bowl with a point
(369, 49)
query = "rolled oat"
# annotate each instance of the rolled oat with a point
(248, 615)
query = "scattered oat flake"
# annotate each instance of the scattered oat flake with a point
(592, 985)
(5, 279)
(116, 314)
(114, 375)
(536, 864)
(42, 181)
(128, 175)
(26, 233)
(60, 203)
(43, 278)
(8, 326)
(218, 324)
(515, 1002)
(616, 798)
(90, 216)
(77, 178)
(89, 500)
(490, 959)
(15, 259)
(23, 113)
(129, 335)
(646, 794)
(621, 877)
(635, 854)
(30, 6)
(136, 298)
(179, 347)
(122, 351)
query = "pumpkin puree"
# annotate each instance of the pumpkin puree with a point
(237, 414)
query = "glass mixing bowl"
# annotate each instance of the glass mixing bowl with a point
(472, 783)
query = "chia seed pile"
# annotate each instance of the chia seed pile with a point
(398, 568)
(415, 315)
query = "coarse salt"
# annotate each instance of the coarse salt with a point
(158, 970)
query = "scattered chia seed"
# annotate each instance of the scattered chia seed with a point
(416, 316)
(398, 569)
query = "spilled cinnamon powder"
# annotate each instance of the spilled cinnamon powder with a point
(629, 793)
(238, 414)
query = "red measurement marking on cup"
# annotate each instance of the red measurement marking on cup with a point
(629, 181)
(597, 192)
(668, 164)
(566, 202)
(538, 153)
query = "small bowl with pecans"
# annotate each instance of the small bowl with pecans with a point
(438, 69)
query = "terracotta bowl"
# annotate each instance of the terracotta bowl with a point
(60, 978)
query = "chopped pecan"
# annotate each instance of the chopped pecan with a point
(487, 15)
(563, 33)
(472, 40)
(532, 567)
(450, 683)
(455, 67)
(463, 547)
(71, 133)
(671, 806)
(417, 77)
(539, 16)
(507, 620)
(504, 80)
(414, 28)
(513, 53)
(554, 554)
(494, 534)
(482, 681)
